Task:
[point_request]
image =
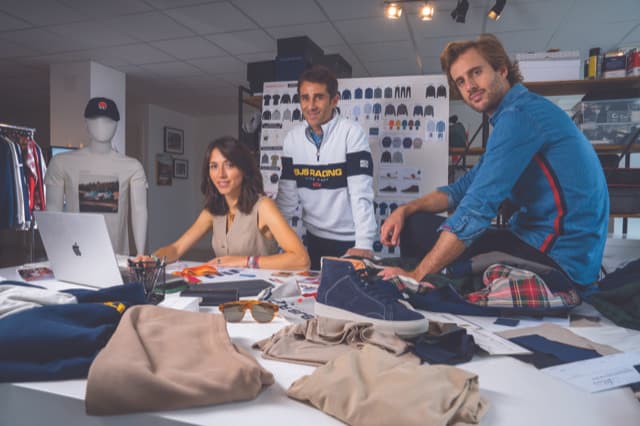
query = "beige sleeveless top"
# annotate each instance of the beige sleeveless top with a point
(244, 238)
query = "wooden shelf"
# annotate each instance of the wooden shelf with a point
(572, 87)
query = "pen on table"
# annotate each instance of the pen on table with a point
(247, 275)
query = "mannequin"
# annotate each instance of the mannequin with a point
(99, 179)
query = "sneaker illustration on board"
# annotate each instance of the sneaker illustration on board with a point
(348, 292)
(389, 188)
(411, 189)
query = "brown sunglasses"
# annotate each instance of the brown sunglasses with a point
(261, 311)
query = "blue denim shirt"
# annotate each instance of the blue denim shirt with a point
(538, 159)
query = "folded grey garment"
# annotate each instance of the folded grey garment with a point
(18, 298)
(319, 340)
(373, 387)
(480, 262)
(165, 359)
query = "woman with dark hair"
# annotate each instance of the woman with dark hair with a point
(247, 226)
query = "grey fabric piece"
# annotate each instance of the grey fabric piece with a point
(481, 262)
(319, 340)
(372, 387)
(18, 298)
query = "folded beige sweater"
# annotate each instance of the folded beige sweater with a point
(165, 359)
(374, 387)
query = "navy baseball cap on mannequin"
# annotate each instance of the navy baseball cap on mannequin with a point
(101, 107)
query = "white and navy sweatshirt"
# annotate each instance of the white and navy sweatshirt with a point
(333, 183)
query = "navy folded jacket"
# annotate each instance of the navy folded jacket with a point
(59, 342)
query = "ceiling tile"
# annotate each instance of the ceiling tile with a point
(148, 26)
(275, 13)
(57, 58)
(212, 18)
(133, 71)
(586, 12)
(104, 9)
(341, 9)
(40, 12)
(103, 57)
(398, 67)
(443, 25)
(167, 4)
(8, 23)
(43, 41)
(633, 38)
(372, 30)
(244, 41)
(234, 79)
(9, 49)
(189, 48)
(389, 50)
(322, 33)
(91, 34)
(544, 14)
(220, 65)
(256, 57)
(138, 54)
(172, 69)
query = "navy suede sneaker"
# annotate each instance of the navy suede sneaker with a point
(346, 293)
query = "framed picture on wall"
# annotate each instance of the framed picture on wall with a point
(180, 168)
(164, 172)
(173, 140)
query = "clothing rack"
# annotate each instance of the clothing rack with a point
(13, 130)
(28, 131)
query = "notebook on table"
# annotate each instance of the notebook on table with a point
(79, 249)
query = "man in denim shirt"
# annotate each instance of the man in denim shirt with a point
(536, 158)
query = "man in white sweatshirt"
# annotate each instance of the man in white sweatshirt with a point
(327, 168)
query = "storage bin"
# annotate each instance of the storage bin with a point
(260, 72)
(336, 63)
(299, 46)
(624, 190)
(608, 121)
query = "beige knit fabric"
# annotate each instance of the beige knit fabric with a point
(319, 340)
(373, 387)
(166, 359)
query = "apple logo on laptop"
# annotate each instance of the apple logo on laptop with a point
(76, 249)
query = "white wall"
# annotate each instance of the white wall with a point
(172, 209)
(69, 88)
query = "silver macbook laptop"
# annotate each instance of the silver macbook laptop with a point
(79, 248)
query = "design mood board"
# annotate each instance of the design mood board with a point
(406, 119)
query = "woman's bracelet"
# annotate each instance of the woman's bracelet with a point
(252, 262)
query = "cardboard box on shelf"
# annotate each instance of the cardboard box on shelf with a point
(550, 66)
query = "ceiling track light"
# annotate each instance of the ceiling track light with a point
(426, 12)
(496, 10)
(393, 9)
(459, 14)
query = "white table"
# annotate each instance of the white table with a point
(519, 394)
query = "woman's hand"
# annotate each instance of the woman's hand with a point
(229, 261)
